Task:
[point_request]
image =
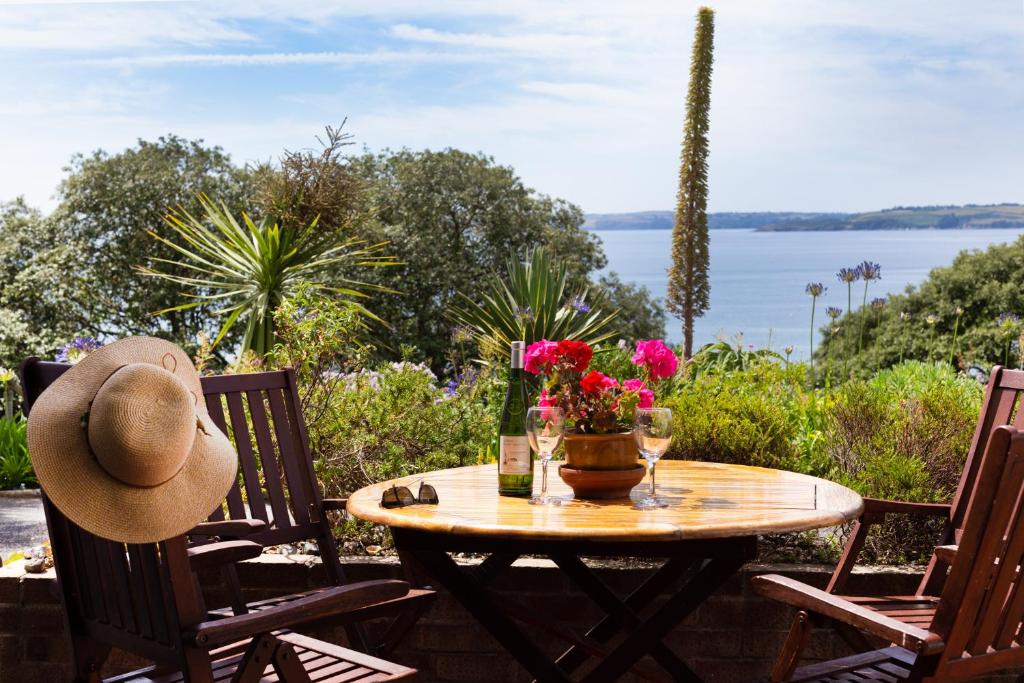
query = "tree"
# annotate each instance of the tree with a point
(38, 286)
(245, 270)
(640, 315)
(108, 204)
(688, 287)
(453, 220)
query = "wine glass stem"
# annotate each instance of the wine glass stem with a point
(650, 466)
(544, 477)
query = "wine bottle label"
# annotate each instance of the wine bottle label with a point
(515, 455)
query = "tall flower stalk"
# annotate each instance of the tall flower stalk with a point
(1009, 323)
(869, 272)
(904, 317)
(932, 319)
(815, 289)
(849, 276)
(959, 310)
(833, 313)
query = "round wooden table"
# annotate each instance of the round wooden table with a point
(708, 531)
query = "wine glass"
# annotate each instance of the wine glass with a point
(652, 430)
(545, 427)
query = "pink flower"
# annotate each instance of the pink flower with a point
(645, 394)
(659, 360)
(546, 400)
(594, 382)
(540, 356)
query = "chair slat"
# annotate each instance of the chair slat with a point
(118, 561)
(996, 596)
(91, 572)
(268, 457)
(297, 484)
(243, 445)
(216, 409)
(137, 585)
(155, 597)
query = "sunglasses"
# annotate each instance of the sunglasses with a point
(401, 496)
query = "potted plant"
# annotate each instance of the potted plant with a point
(599, 447)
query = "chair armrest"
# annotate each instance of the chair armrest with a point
(335, 504)
(946, 553)
(326, 603)
(806, 597)
(876, 506)
(228, 528)
(223, 552)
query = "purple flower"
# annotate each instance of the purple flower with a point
(833, 312)
(815, 289)
(580, 305)
(878, 302)
(870, 271)
(849, 275)
(76, 349)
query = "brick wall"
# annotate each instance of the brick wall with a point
(731, 637)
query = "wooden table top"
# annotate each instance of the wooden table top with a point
(706, 500)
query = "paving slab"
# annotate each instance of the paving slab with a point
(22, 522)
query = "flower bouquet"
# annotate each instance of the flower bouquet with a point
(599, 409)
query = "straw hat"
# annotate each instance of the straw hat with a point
(123, 446)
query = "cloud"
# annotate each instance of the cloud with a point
(282, 58)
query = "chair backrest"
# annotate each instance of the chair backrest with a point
(1000, 407)
(980, 614)
(262, 414)
(135, 597)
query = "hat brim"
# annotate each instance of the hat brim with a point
(85, 493)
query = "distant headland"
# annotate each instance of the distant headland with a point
(969, 216)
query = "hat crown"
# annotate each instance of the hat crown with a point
(142, 424)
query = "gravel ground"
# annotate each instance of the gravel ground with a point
(22, 524)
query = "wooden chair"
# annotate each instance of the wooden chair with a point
(1002, 398)
(977, 622)
(261, 412)
(144, 599)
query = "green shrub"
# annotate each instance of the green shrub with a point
(749, 417)
(903, 435)
(15, 467)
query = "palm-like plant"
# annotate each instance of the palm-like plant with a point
(246, 269)
(531, 304)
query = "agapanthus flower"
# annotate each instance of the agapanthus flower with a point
(848, 275)
(959, 310)
(76, 349)
(540, 357)
(595, 382)
(815, 289)
(580, 304)
(659, 360)
(575, 354)
(645, 394)
(870, 271)
(525, 314)
(878, 302)
(904, 315)
(931, 319)
(1008, 320)
(462, 334)
(833, 312)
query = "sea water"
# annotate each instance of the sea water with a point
(758, 278)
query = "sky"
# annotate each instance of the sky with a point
(817, 105)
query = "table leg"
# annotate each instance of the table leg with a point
(470, 592)
(650, 589)
(621, 614)
(710, 578)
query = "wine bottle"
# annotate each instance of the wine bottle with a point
(515, 459)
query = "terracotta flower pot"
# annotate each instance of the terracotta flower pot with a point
(601, 451)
